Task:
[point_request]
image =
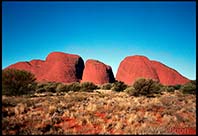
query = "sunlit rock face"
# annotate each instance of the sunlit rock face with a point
(97, 72)
(68, 68)
(58, 67)
(134, 67)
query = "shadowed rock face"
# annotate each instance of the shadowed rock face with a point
(97, 72)
(79, 68)
(58, 67)
(110, 74)
(134, 67)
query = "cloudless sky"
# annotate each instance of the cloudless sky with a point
(105, 31)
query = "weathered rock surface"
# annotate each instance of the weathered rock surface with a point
(58, 66)
(167, 75)
(68, 68)
(97, 72)
(134, 67)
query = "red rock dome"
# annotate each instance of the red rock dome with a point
(167, 75)
(134, 67)
(97, 72)
(58, 67)
(67, 68)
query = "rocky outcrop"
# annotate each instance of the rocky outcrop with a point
(167, 75)
(97, 72)
(68, 68)
(134, 67)
(58, 67)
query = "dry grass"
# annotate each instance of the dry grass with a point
(99, 112)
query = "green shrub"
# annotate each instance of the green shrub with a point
(188, 88)
(118, 86)
(47, 87)
(106, 86)
(88, 86)
(63, 88)
(147, 87)
(40, 88)
(131, 91)
(51, 87)
(75, 86)
(163, 88)
(176, 87)
(170, 89)
(17, 82)
(68, 87)
(32, 87)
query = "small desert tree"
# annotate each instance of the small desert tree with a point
(106, 86)
(118, 86)
(17, 82)
(146, 87)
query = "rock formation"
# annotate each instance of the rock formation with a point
(134, 67)
(97, 72)
(167, 75)
(68, 68)
(58, 67)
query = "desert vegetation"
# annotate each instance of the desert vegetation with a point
(17, 82)
(147, 87)
(145, 107)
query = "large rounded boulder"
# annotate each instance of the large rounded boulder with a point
(167, 75)
(33, 66)
(97, 72)
(134, 67)
(58, 67)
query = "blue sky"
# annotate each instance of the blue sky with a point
(106, 31)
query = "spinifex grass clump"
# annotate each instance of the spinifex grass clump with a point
(17, 82)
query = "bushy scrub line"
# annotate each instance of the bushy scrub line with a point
(149, 87)
(20, 82)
